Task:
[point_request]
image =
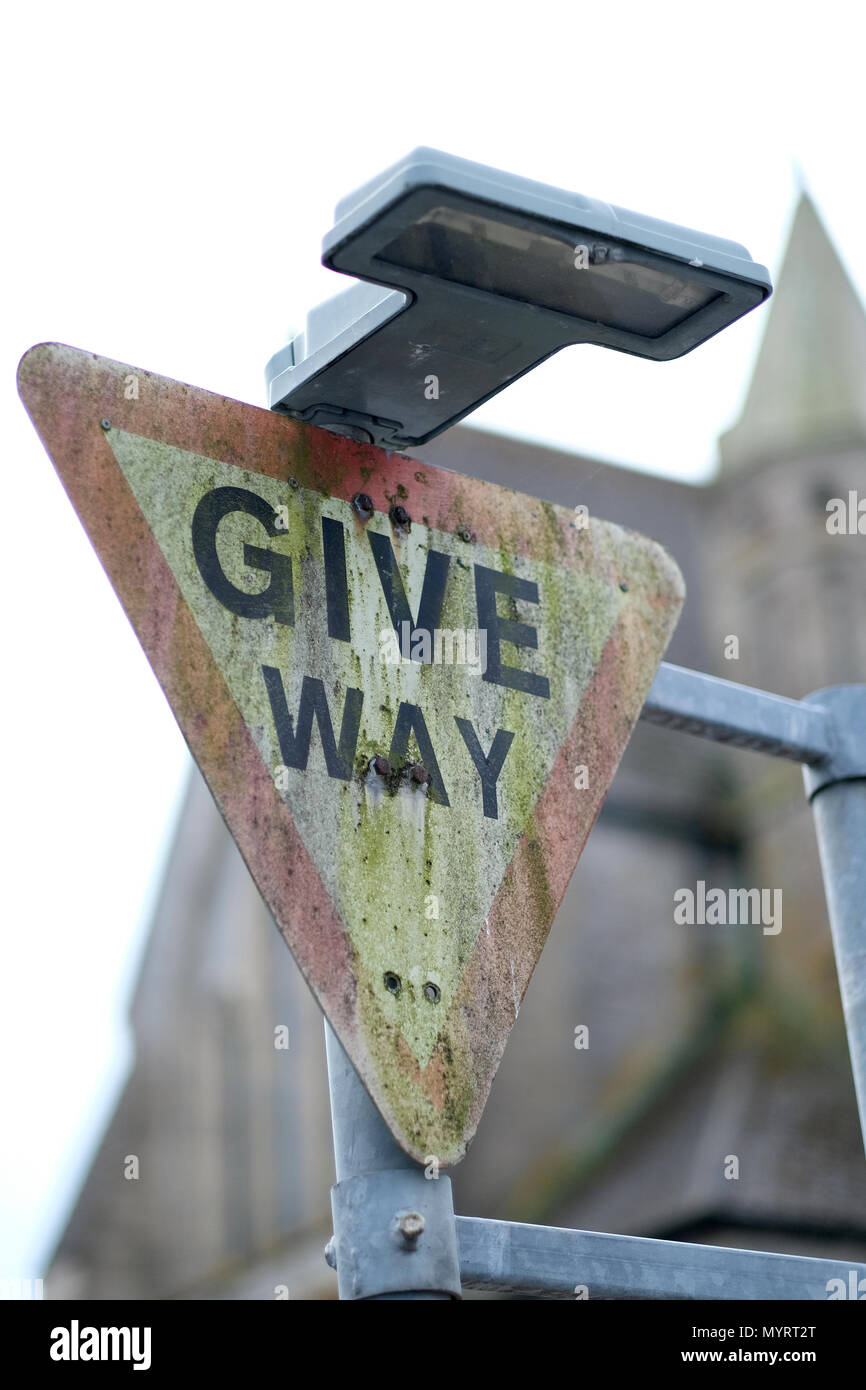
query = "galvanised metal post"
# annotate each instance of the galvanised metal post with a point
(836, 788)
(395, 1234)
(826, 732)
(551, 1262)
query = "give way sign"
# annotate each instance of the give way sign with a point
(408, 691)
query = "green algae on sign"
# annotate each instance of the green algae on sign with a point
(416, 893)
(389, 861)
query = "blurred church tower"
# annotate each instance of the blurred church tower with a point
(800, 441)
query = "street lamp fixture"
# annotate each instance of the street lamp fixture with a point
(471, 277)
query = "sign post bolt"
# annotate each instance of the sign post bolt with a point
(411, 1227)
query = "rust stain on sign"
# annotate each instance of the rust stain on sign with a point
(408, 691)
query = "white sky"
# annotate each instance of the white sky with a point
(170, 170)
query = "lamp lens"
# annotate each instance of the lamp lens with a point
(537, 263)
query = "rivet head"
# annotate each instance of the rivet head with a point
(105, 424)
(418, 774)
(624, 587)
(401, 517)
(432, 993)
(393, 983)
(294, 484)
(381, 766)
(464, 533)
(411, 1226)
(331, 1253)
(363, 505)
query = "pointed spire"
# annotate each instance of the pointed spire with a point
(809, 385)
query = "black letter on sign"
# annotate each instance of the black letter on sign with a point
(336, 585)
(295, 741)
(278, 597)
(432, 593)
(489, 583)
(410, 721)
(488, 768)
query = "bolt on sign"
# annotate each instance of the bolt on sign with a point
(408, 691)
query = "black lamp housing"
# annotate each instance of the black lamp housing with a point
(473, 277)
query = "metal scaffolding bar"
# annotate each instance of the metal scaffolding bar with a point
(826, 732)
(552, 1262)
(840, 825)
(738, 715)
(837, 791)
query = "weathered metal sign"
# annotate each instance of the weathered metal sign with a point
(408, 691)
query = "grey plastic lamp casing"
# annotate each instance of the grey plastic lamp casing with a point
(473, 278)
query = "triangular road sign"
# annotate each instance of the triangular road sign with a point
(408, 718)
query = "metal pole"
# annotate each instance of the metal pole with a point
(738, 715)
(837, 791)
(551, 1262)
(827, 733)
(395, 1235)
